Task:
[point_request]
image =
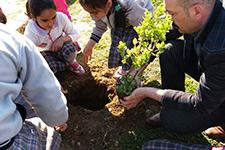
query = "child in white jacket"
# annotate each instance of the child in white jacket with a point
(54, 34)
(24, 69)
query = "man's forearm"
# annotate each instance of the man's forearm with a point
(153, 93)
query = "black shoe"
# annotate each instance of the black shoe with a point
(154, 121)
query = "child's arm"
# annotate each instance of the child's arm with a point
(42, 87)
(98, 30)
(58, 43)
(68, 27)
(87, 52)
(96, 35)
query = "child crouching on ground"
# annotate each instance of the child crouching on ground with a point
(54, 34)
(120, 16)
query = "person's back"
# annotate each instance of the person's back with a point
(23, 68)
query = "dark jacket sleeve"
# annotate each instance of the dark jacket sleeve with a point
(211, 92)
(173, 33)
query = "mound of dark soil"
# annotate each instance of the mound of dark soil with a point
(96, 121)
(84, 90)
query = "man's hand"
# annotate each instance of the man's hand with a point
(140, 93)
(131, 101)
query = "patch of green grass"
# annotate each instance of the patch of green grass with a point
(190, 84)
(101, 50)
(152, 73)
(135, 139)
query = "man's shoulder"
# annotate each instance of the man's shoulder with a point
(216, 38)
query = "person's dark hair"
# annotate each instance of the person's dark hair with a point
(35, 7)
(120, 15)
(3, 18)
(120, 11)
(94, 4)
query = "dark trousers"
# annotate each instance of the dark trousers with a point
(175, 62)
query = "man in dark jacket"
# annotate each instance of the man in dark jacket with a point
(201, 55)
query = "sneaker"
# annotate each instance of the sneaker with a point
(77, 68)
(119, 73)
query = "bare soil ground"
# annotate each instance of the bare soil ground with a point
(95, 122)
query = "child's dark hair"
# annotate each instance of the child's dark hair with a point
(120, 12)
(35, 7)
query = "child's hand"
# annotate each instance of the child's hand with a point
(87, 52)
(61, 128)
(57, 44)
